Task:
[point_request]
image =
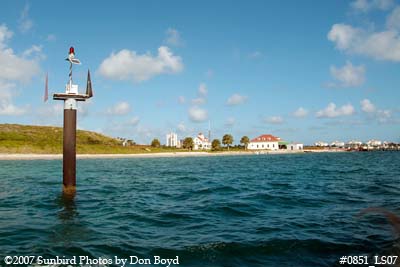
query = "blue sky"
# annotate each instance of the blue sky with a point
(309, 71)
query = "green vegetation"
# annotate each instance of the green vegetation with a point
(245, 141)
(227, 140)
(216, 145)
(155, 143)
(16, 138)
(188, 143)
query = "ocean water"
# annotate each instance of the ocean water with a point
(257, 210)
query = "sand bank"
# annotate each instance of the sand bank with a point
(144, 155)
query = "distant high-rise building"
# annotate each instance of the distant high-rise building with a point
(172, 140)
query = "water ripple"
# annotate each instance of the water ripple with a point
(265, 210)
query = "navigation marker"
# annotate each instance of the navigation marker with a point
(70, 98)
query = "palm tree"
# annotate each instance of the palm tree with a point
(227, 140)
(245, 141)
(216, 144)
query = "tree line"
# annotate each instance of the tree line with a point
(227, 141)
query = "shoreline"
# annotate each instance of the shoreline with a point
(156, 155)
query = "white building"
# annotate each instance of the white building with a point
(201, 142)
(337, 144)
(172, 140)
(265, 141)
(374, 143)
(322, 144)
(354, 143)
(294, 146)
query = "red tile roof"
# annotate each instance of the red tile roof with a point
(266, 138)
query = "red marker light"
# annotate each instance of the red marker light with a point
(71, 50)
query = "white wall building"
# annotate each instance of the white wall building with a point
(354, 143)
(322, 144)
(264, 142)
(337, 144)
(374, 143)
(294, 146)
(172, 140)
(201, 142)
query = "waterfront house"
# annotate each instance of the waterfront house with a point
(321, 144)
(374, 143)
(294, 146)
(353, 145)
(201, 142)
(337, 144)
(265, 141)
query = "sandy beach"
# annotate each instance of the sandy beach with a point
(147, 155)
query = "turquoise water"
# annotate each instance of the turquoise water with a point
(265, 210)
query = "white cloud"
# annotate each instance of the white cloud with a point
(197, 114)
(6, 106)
(198, 101)
(128, 65)
(25, 23)
(274, 120)
(393, 20)
(367, 5)
(202, 93)
(348, 75)
(181, 100)
(53, 109)
(6, 90)
(8, 109)
(5, 35)
(134, 121)
(121, 108)
(83, 110)
(12, 66)
(331, 111)
(367, 106)
(203, 89)
(173, 37)
(236, 99)
(230, 122)
(384, 115)
(35, 51)
(300, 112)
(384, 45)
(373, 113)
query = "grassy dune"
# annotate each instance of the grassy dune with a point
(16, 138)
